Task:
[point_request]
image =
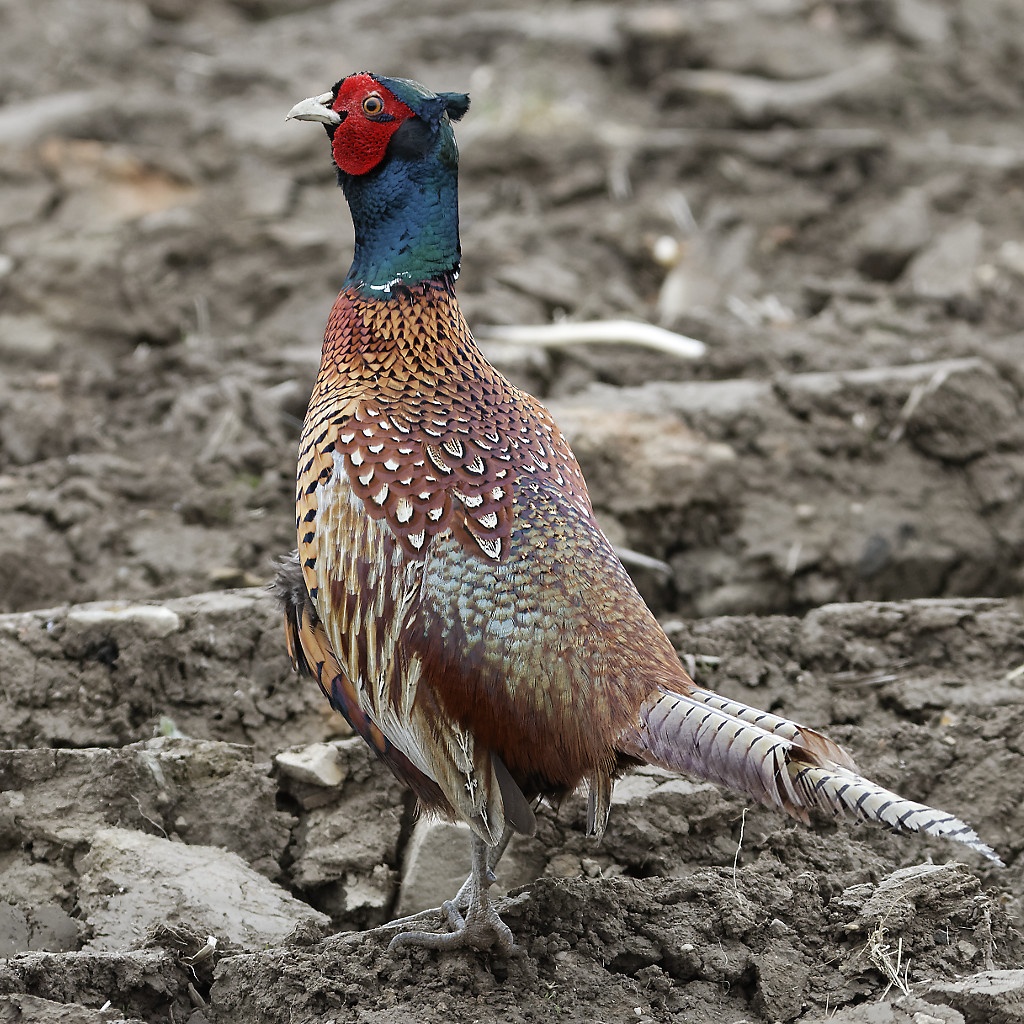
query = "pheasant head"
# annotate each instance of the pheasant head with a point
(394, 148)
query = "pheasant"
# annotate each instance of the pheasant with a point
(453, 594)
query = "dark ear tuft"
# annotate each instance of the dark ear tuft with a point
(430, 110)
(456, 103)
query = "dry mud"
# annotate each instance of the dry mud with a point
(830, 195)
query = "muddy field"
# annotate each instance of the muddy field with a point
(826, 509)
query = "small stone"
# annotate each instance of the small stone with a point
(921, 23)
(563, 865)
(233, 578)
(961, 414)
(634, 788)
(318, 764)
(27, 336)
(369, 894)
(168, 548)
(1011, 256)
(666, 251)
(945, 269)
(26, 415)
(892, 235)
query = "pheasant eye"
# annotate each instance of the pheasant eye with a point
(373, 105)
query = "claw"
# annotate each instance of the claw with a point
(471, 917)
(481, 929)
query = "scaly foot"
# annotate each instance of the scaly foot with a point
(471, 916)
(480, 929)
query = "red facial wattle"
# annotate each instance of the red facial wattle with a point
(360, 141)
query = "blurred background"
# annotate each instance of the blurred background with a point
(828, 194)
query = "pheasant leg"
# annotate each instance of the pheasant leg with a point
(471, 916)
(494, 854)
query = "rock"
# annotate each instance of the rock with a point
(989, 997)
(27, 416)
(962, 413)
(132, 882)
(30, 584)
(898, 897)
(36, 927)
(135, 981)
(25, 1009)
(757, 597)
(200, 792)
(945, 269)
(437, 862)
(657, 817)
(634, 789)
(168, 547)
(1011, 256)
(701, 475)
(33, 119)
(344, 853)
(892, 235)
(920, 23)
(318, 764)
(907, 1010)
(639, 459)
(115, 670)
(782, 979)
(28, 338)
(14, 931)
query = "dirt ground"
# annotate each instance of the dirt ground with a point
(826, 509)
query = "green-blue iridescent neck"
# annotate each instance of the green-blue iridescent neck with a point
(406, 217)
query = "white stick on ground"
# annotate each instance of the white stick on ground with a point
(622, 332)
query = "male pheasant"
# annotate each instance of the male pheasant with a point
(453, 595)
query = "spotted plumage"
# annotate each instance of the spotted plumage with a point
(453, 594)
(431, 438)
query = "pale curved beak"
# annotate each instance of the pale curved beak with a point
(315, 108)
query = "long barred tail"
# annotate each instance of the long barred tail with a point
(843, 792)
(775, 761)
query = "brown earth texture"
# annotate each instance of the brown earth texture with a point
(826, 508)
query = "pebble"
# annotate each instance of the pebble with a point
(945, 269)
(892, 235)
(318, 764)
